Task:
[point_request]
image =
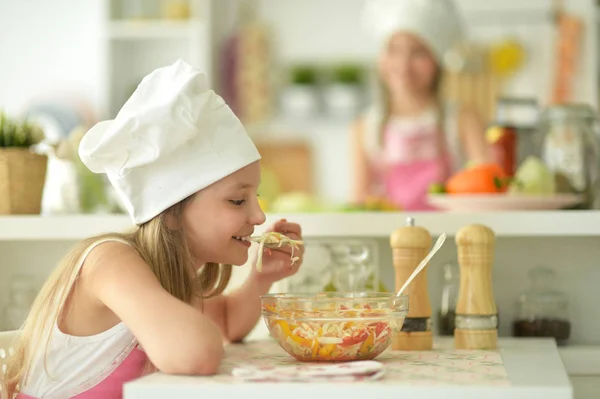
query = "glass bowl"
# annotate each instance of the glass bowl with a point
(334, 326)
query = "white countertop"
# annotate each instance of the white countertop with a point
(520, 369)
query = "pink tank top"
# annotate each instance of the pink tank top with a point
(112, 386)
(410, 160)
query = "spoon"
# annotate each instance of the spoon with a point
(438, 244)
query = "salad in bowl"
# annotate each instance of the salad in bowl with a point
(334, 326)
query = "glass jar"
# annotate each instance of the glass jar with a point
(570, 148)
(541, 310)
(351, 270)
(315, 272)
(450, 289)
(517, 116)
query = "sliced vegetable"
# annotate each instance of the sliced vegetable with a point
(331, 340)
(437, 188)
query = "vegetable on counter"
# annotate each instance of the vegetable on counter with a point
(372, 204)
(296, 202)
(299, 202)
(437, 188)
(533, 177)
(486, 178)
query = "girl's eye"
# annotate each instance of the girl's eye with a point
(237, 202)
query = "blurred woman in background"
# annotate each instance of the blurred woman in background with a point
(409, 139)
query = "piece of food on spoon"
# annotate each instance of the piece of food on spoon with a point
(273, 239)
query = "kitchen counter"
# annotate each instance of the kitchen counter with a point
(519, 369)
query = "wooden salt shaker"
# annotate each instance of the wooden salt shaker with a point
(410, 244)
(476, 314)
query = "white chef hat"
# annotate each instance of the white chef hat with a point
(437, 22)
(173, 137)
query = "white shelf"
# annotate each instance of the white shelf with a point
(139, 30)
(581, 359)
(281, 126)
(376, 224)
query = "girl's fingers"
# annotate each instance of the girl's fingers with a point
(287, 228)
(284, 254)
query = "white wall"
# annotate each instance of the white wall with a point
(54, 47)
(325, 31)
(49, 49)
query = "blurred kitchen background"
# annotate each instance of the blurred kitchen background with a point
(296, 72)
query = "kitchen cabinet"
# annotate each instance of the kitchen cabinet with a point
(140, 36)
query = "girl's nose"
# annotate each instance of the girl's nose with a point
(257, 217)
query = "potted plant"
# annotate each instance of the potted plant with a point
(22, 172)
(300, 97)
(343, 95)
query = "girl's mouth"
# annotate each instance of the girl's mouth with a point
(244, 240)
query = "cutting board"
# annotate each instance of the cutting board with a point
(291, 163)
(475, 90)
(475, 85)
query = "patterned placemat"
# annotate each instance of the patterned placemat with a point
(441, 366)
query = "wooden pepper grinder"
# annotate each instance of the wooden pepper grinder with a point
(410, 244)
(476, 314)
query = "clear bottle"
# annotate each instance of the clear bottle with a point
(450, 289)
(315, 273)
(542, 311)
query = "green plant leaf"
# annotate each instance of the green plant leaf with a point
(14, 133)
(2, 123)
(304, 75)
(347, 74)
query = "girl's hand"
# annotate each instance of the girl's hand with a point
(277, 262)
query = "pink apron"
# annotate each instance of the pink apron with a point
(410, 161)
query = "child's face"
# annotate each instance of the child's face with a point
(407, 66)
(228, 208)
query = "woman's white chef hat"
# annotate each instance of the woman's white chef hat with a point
(437, 22)
(172, 138)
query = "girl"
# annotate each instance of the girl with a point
(409, 139)
(121, 304)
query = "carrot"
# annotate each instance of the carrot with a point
(485, 178)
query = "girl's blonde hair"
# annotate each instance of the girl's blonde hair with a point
(436, 92)
(161, 243)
